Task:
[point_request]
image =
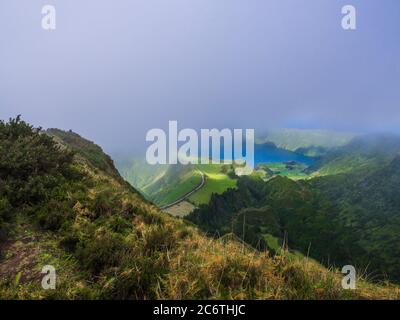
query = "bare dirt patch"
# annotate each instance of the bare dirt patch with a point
(20, 258)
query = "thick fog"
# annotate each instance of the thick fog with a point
(112, 70)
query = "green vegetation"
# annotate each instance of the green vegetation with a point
(362, 155)
(138, 172)
(35, 175)
(219, 178)
(106, 242)
(87, 149)
(348, 217)
(292, 170)
(308, 142)
(176, 183)
(164, 186)
(368, 205)
(279, 207)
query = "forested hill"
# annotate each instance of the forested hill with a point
(348, 214)
(362, 154)
(307, 142)
(63, 204)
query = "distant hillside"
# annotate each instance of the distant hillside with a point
(279, 208)
(137, 171)
(363, 153)
(349, 215)
(308, 142)
(163, 184)
(368, 204)
(177, 181)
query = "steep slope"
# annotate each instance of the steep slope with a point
(105, 241)
(177, 181)
(86, 149)
(138, 172)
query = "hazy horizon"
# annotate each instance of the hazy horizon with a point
(112, 70)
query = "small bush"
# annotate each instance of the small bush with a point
(105, 203)
(53, 215)
(120, 225)
(5, 217)
(101, 252)
(128, 210)
(149, 218)
(5, 209)
(157, 238)
(124, 285)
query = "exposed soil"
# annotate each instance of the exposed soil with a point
(20, 257)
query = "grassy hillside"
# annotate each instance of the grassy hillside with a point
(218, 180)
(171, 182)
(177, 182)
(161, 184)
(137, 172)
(106, 242)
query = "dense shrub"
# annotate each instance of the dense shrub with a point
(101, 252)
(52, 215)
(128, 210)
(105, 203)
(119, 224)
(30, 162)
(5, 209)
(5, 216)
(156, 238)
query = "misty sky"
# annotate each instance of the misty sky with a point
(114, 69)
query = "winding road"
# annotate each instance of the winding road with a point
(187, 195)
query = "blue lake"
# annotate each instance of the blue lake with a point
(267, 153)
